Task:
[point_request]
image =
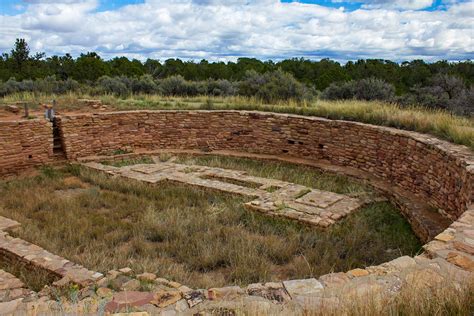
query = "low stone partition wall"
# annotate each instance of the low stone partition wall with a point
(437, 171)
(24, 144)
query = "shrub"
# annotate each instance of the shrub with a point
(339, 91)
(221, 87)
(463, 104)
(144, 84)
(366, 89)
(443, 92)
(174, 85)
(374, 89)
(273, 86)
(113, 85)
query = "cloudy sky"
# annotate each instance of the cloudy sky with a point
(227, 29)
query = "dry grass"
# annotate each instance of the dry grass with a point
(448, 298)
(198, 238)
(33, 278)
(440, 123)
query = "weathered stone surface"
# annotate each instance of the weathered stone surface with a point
(127, 300)
(461, 261)
(444, 237)
(334, 279)
(303, 287)
(146, 276)
(463, 247)
(125, 270)
(433, 170)
(194, 298)
(423, 278)
(402, 263)
(12, 109)
(274, 292)
(7, 308)
(358, 272)
(131, 285)
(104, 292)
(165, 298)
(224, 292)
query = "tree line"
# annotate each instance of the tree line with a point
(432, 84)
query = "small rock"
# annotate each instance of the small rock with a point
(464, 247)
(303, 287)
(181, 306)
(358, 272)
(103, 282)
(444, 237)
(162, 281)
(421, 279)
(402, 262)
(194, 298)
(119, 281)
(183, 289)
(176, 285)
(163, 298)
(10, 307)
(12, 109)
(334, 279)
(146, 276)
(112, 274)
(127, 300)
(65, 281)
(126, 271)
(104, 292)
(461, 261)
(277, 295)
(131, 285)
(224, 292)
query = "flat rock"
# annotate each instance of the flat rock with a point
(303, 287)
(194, 298)
(165, 298)
(131, 285)
(225, 292)
(128, 299)
(146, 276)
(358, 272)
(461, 261)
(104, 292)
(444, 237)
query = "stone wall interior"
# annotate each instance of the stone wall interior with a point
(431, 180)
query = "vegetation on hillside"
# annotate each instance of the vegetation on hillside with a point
(436, 85)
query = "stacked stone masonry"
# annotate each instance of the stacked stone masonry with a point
(24, 144)
(437, 171)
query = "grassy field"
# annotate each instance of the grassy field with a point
(198, 238)
(442, 124)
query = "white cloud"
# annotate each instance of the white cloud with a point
(398, 4)
(218, 29)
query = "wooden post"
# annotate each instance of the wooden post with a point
(27, 111)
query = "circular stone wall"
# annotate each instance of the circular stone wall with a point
(407, 164)
(432, 180)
